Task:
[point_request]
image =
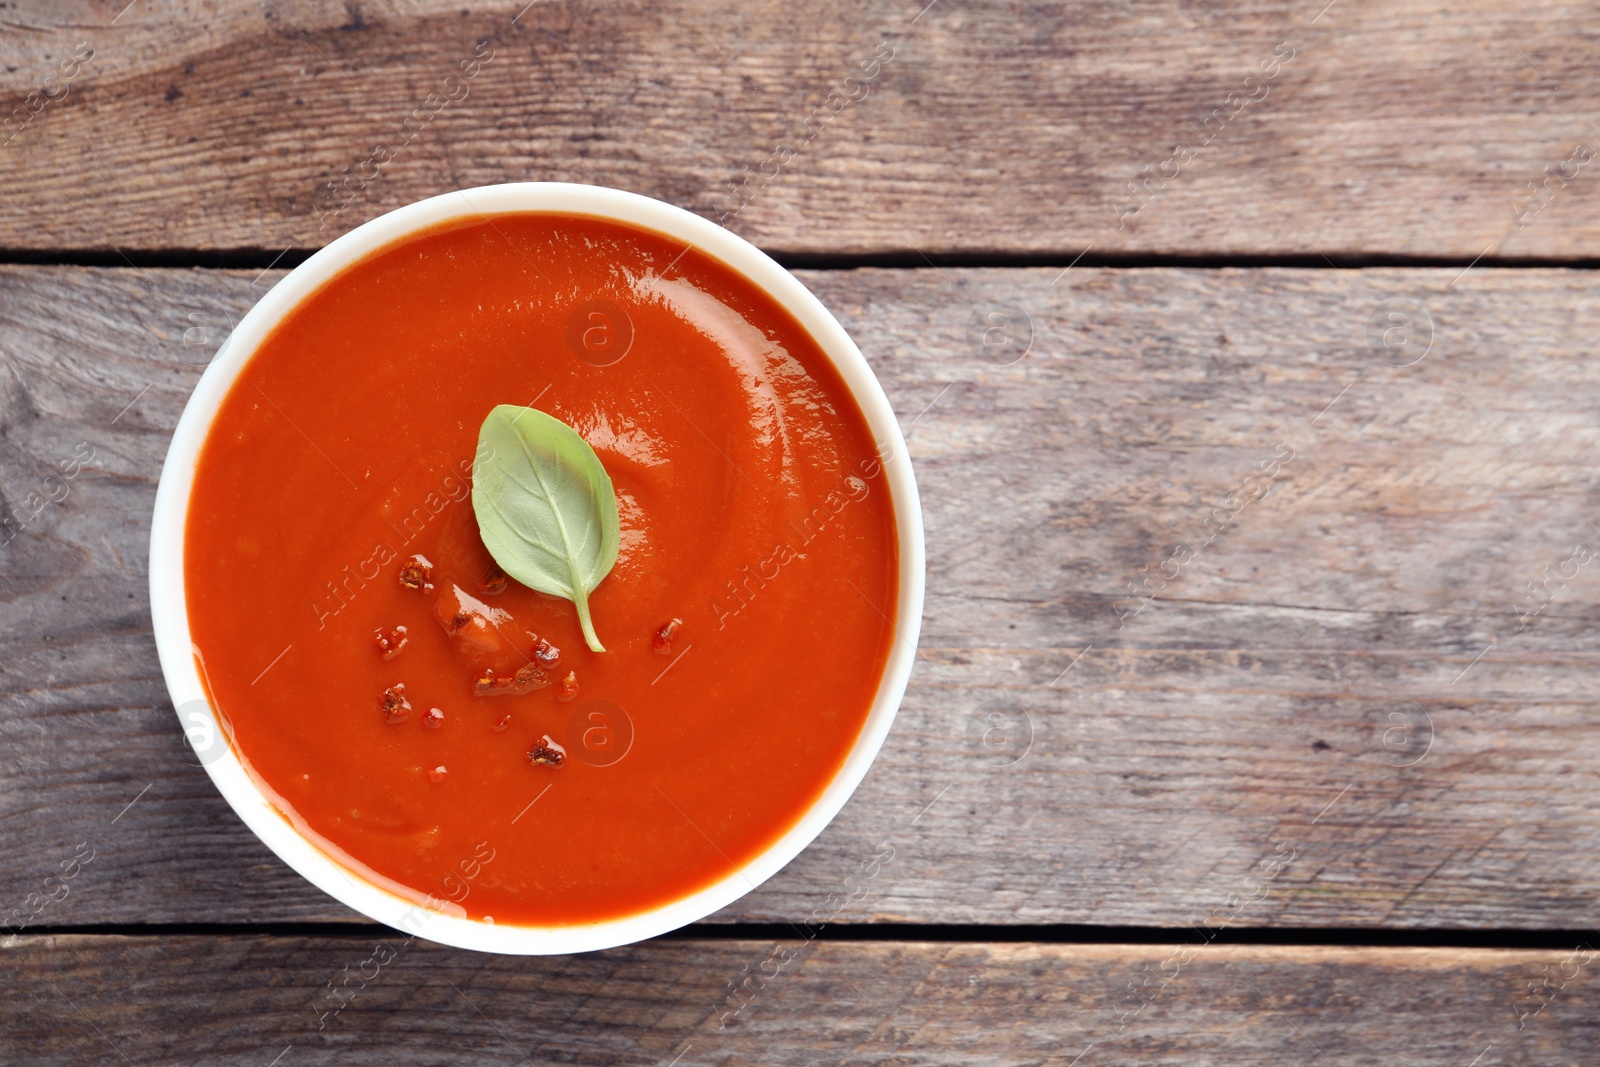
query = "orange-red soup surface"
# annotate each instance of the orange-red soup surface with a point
(753, 509)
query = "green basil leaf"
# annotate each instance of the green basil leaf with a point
(546, 508)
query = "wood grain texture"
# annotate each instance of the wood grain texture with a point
(1405, 129)
(245, 1000)
(1327, 717)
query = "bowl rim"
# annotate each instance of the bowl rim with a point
(168, 599)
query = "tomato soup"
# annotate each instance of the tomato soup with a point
(446, 732)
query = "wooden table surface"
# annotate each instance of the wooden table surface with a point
(1300, 766)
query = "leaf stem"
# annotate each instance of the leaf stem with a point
(581, 602)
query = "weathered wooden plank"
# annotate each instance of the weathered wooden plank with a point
(248, 999)
(1135, 126)
(1328, 716)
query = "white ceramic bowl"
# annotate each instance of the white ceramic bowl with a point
(170, 613)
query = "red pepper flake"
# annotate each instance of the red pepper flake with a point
(437, 774)
(394, 704)
(567, 688)
(390, 641)
(417, 573)
(433, 718)
(493, 583)
(544, 653)
(477, 626)
(500, 727)
(662, 639)
(528, 679)
(547, 752)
